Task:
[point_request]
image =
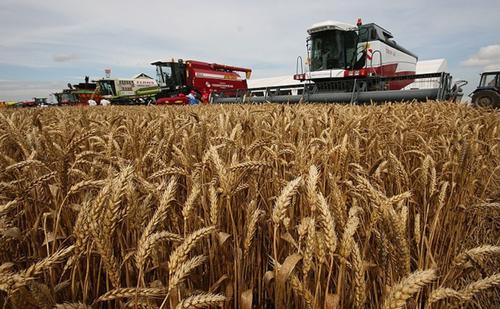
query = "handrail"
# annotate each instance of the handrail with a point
(380, 58)
(301, 65)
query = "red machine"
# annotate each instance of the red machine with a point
(78, 94)
(178, 79)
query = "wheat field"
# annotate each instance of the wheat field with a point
(266, 206)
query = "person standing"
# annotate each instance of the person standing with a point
(192, 99)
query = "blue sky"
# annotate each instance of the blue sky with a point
(46, 44)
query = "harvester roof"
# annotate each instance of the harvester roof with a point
(331, 25)
(386, 33)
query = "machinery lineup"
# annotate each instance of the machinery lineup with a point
(345, 63)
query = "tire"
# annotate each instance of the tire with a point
(486, 98)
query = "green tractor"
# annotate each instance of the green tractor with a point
(488, 92)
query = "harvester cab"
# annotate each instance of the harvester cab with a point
(40, 101)
(332, 46)
(66, 97)
(126, 91)
(171, 77)
(488, 91)
(106, 87)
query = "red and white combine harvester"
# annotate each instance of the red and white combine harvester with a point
(177, 79)
(355, 64)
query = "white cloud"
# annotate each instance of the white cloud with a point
(65, 57)
(488, 58)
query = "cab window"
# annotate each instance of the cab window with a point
(489, 80)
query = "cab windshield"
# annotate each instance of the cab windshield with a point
(106, 87)
(170, 75)
(65, 98)
(333, 49)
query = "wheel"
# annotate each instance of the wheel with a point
(486, 98)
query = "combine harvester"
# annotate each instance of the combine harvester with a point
(353, 64)
(77, 94)
(177, 79)
(140, 89)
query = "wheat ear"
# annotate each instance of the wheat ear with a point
(468, 292)
(145, 243)
(46, 263)
(132, 292)
(214, 205)
(359, 277)
(350, 229)
(410, 285)
(310, 246)
(299, 288)
(284, 199)
(203, 300)
(4, 209)
(251, 228)
(443, 293)
(72, 306)
(327, 224)
(311, 181)
(189, 204)
(183, 271)
(478, 253)
(180, 253)
(475, 287)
